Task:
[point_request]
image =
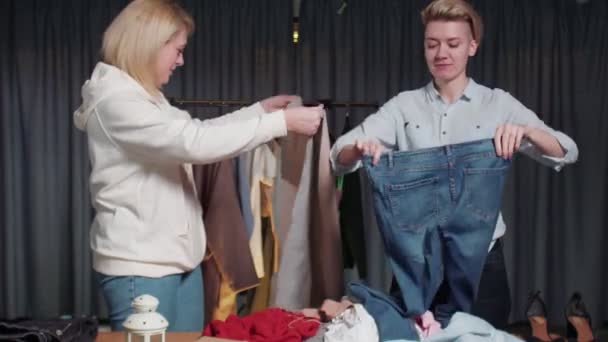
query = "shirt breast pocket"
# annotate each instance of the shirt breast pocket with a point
(419, 134)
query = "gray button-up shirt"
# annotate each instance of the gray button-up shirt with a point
(420, 119)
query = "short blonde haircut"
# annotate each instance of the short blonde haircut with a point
(454, 10)
(134, 38)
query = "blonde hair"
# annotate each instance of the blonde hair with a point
(134, 38)
(454, 10)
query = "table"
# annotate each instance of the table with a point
(171, 337)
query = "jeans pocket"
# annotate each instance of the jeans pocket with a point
(483, 189)
(413, 203)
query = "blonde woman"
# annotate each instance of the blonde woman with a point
(148, 234)
(453, 109)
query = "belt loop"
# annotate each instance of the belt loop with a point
(448, 150)
(390, 159)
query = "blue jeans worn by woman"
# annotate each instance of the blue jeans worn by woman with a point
(180, 295)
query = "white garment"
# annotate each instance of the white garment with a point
(352, 325)
(148, 220)
(464, 327)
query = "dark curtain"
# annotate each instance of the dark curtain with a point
(240, 50)
(551, 55)
(47, 50)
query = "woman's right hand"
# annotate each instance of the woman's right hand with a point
(353, 153)
(304, 120)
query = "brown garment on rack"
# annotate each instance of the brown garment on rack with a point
(325, 240)
(228, 256)
(322, 225)
(291, 284)
(293, 150)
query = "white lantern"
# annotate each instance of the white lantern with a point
(145, 322)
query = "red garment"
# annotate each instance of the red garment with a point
(271, 325)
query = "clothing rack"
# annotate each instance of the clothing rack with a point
(239, 103)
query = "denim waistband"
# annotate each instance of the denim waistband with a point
(435, 156)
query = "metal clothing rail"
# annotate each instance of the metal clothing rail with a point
(237, 103)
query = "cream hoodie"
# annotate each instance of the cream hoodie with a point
(148, 220)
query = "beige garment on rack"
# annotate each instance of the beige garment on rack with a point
(263, 171)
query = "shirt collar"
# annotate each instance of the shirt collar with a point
(470, 92)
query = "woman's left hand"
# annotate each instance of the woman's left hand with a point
(508, 139)
(274, 103)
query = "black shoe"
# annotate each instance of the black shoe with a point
(579, 320)
(536, 312)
